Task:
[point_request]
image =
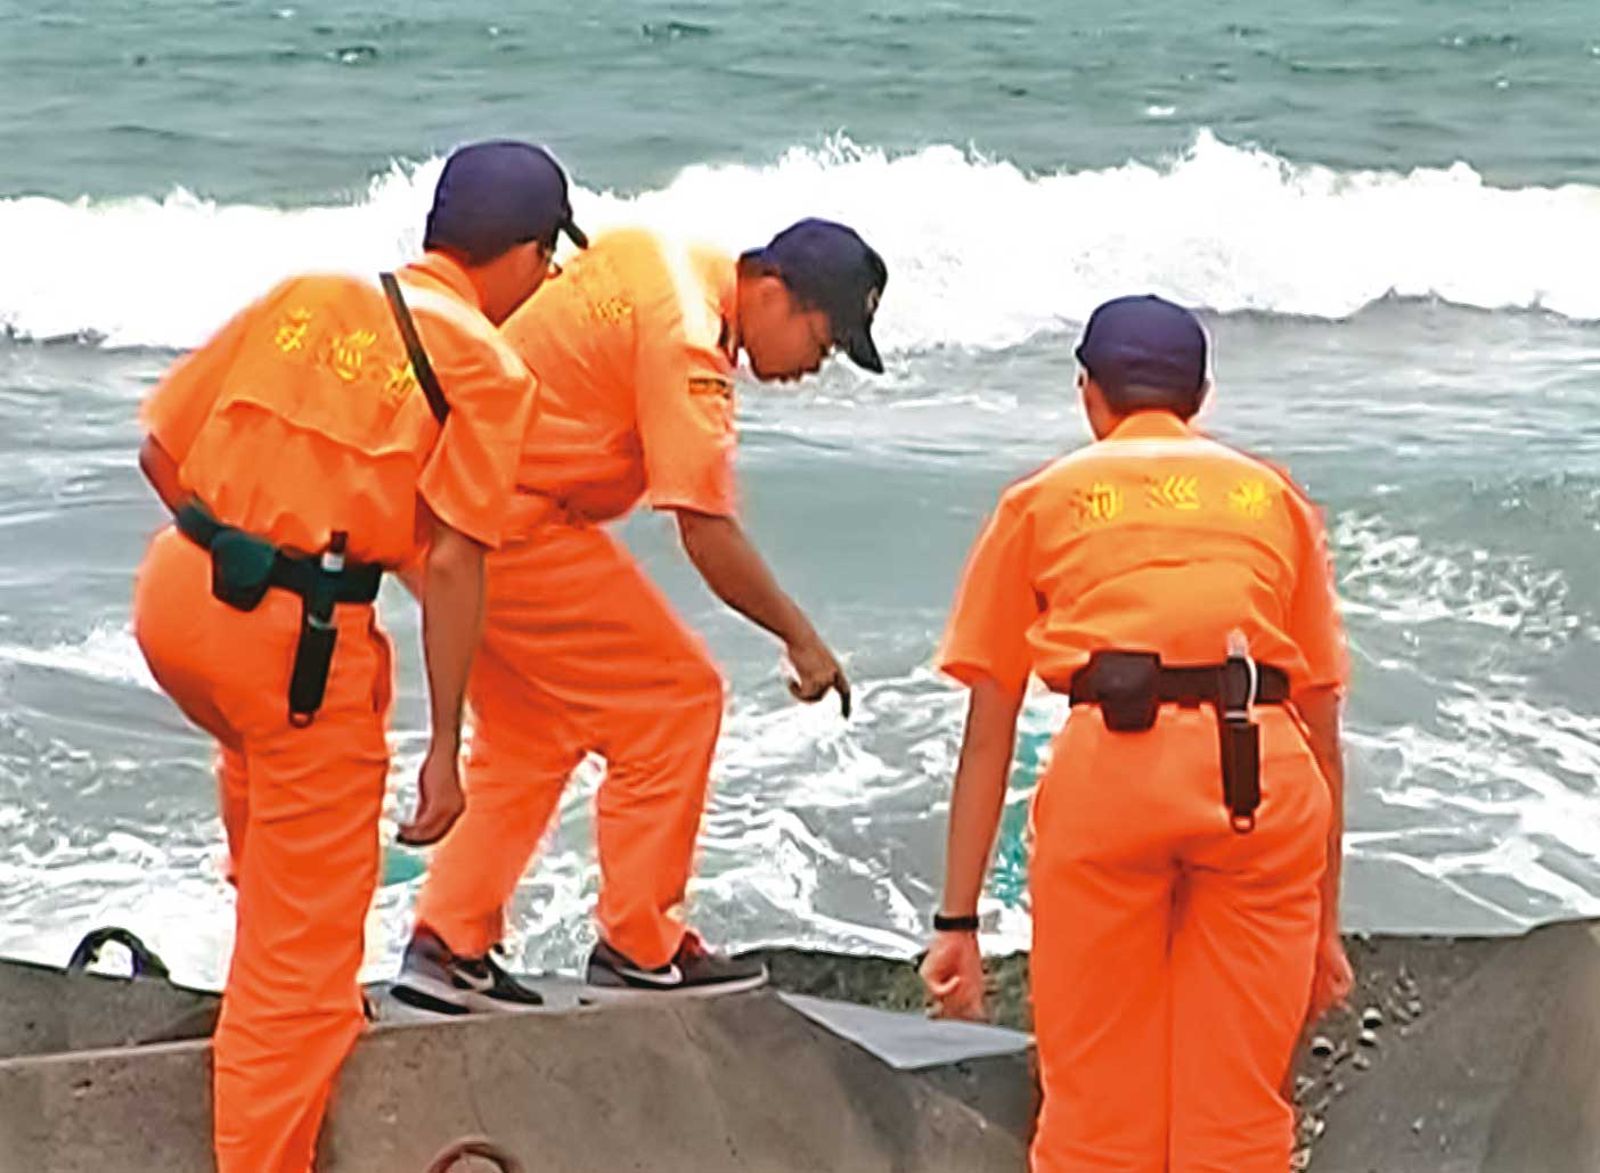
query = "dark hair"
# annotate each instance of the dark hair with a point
(1127, 398)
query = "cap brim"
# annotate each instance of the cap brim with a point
(863, 351)
(575, 234)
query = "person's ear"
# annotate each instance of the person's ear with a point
(771, 293)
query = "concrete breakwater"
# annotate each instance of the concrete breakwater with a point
(1455, 1055)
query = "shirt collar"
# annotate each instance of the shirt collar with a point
(442, 270)
(1151, 425)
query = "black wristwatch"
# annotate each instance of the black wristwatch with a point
(955, 924)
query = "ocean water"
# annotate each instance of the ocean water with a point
(1389, 214)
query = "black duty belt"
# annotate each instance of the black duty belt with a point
(357, 583)
(1206, 684)
(244, 567)
(1131, 687)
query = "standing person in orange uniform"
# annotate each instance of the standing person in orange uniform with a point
(1186, 833)
(634, 347)
(305, 449)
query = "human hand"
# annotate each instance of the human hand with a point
(439, 798)
(814, 670)
(1333, 978)
(952, 973)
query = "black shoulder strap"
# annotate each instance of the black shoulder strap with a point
(420, 365)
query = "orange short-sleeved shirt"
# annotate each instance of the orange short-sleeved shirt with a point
(1154, 539)
(633, 347)
(302, 416)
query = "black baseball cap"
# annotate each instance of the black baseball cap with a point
(493, 195)
(1146, 341)
(828, 266)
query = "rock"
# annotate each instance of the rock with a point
(1372, 1018)
(1368, 1038)
(1322, 1047)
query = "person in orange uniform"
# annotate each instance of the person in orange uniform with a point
(1186, 832)
(302, 458)
(634, 347)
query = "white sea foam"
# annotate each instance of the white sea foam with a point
(982, 253)
(107, 653)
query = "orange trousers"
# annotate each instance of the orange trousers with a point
(301, 809)
(581, 653)
(1172, 957)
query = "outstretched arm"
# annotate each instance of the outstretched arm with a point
(452, 622)
(1319, 709)
(737, 574)
(953, 968)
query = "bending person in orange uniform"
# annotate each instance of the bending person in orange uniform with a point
(1186, 833)
(302, 459)
(634, 346)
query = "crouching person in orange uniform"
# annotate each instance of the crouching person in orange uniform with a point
(1186, 833)
(634, 346)
(304, 450)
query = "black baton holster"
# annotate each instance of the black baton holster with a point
(313, 655)
(1240, 741)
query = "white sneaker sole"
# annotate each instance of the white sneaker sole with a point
(464, 1001)
(592, 992)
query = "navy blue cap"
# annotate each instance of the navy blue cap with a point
(830, 268)
(1144, 341)
(493, 195)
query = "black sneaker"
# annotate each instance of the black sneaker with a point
(693, 970)
(433, 978)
